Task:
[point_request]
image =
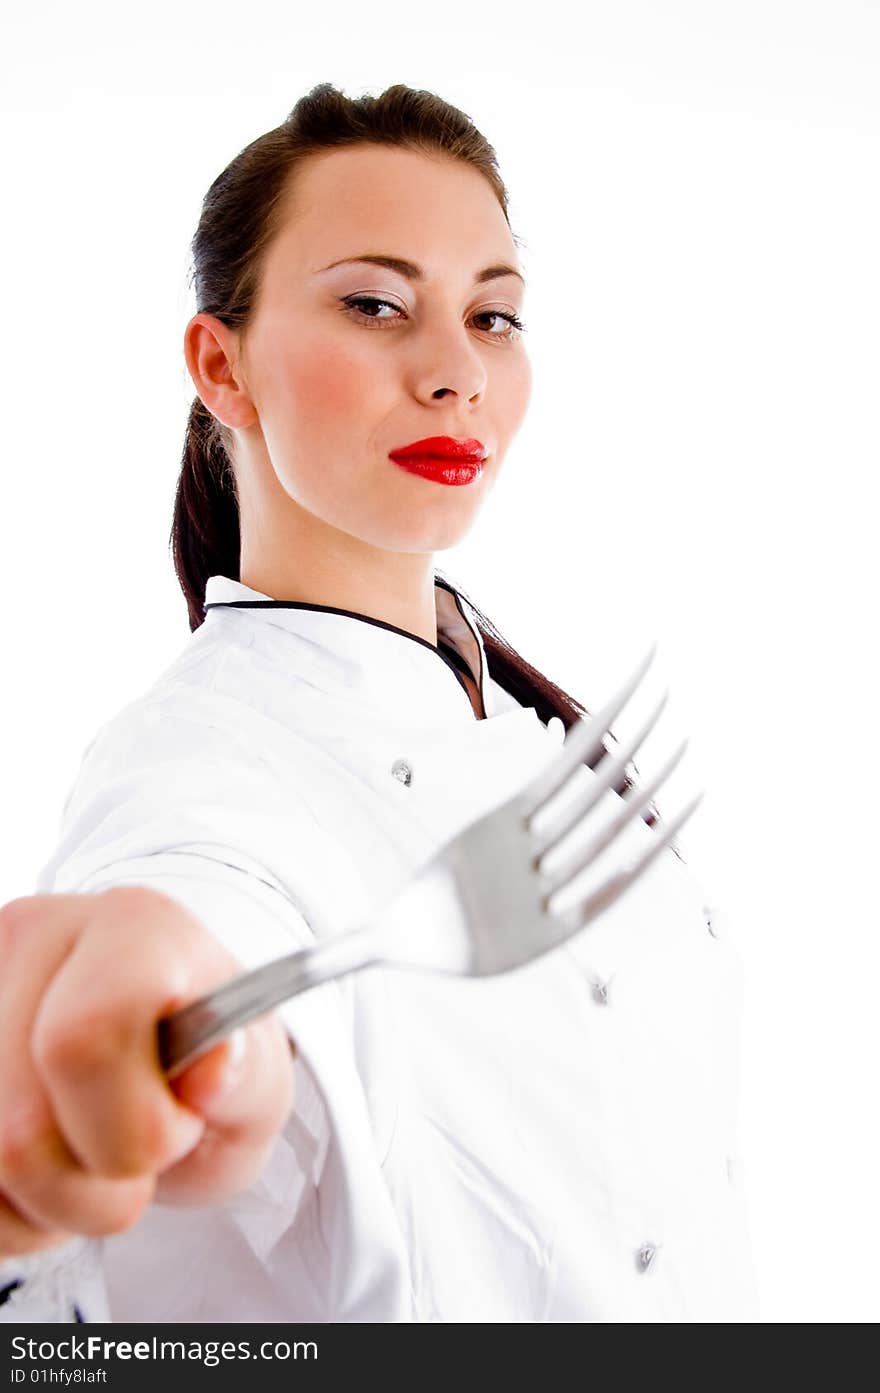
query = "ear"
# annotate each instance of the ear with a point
(212, 357)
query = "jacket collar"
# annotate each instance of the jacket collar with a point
(344, 649)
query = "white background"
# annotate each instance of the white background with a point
(696, 189)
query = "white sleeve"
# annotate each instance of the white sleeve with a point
(58, 1285)
(212, 832)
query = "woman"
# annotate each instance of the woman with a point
(553, 1144)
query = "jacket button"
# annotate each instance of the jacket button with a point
(707, 914)
(645, 1256)
(600, 993)
(402, 771)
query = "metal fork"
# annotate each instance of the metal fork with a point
(493, 877)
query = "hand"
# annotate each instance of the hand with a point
(91, 1130)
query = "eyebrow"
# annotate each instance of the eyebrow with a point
(412, 272)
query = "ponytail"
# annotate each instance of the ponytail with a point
(205, 535)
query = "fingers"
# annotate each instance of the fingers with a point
(242, 1118)
(44, 1186)
(202, 1142)
(18, 1235)
(45, 1194)
(94, 1037)
(91, 1130)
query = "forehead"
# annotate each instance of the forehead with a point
(432, 209)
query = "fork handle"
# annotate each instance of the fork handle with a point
(185, 1035)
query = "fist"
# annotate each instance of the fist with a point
(91, 1130)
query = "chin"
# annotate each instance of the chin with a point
(423, 540)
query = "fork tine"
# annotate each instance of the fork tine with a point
(583, 741)
(579, 915)
(630, 809)
(610, 771)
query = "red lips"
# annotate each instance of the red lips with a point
(443, 447)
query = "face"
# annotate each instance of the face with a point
(340, 366)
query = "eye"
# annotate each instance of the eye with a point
(516, 326)
(351, 302)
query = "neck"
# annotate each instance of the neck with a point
(396, 588)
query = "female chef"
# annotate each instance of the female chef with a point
(554, 1144)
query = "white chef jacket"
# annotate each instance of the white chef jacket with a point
(556, 1143)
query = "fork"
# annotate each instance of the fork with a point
(496, 871)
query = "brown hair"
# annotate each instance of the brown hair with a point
(241, 214)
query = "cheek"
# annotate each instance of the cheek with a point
(327, 407)
(335, 390)
(520, 391)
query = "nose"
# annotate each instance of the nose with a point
(450, 364)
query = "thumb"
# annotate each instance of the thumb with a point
(210, 1084)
